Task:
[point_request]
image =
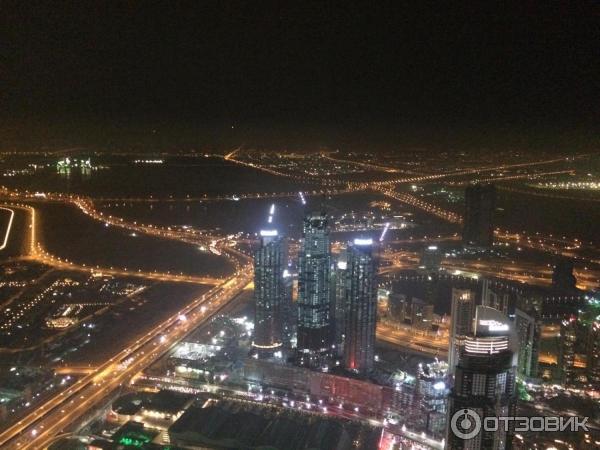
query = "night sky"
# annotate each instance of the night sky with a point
(302, 74)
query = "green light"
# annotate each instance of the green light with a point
(522, 392)
(135, 442)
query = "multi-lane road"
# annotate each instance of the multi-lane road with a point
(427, 343)
(40, 427)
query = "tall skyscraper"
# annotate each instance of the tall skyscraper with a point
(288, 310)
(478, 227)
(496, 298)
(270, 292)
(361, 306)
(432, 392)
(526, 330)
(431, 258)
(461, 322)
(338, 302)
(421, 314)
(562, 276)
(314, 267)
(567, 349)
(484, 385)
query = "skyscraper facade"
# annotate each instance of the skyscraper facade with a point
(478, 227)
(527, 330)
(484, 385)
(497, 298)
(314, 268)
(269, 292)
(562, 276)
(361, 306)
(288, 310)
(432, 392)
(461, 322)
(338, 302)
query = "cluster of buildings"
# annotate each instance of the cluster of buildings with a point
(334, 315)
(319, 313)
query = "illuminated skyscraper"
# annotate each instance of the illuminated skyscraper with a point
(432, 392)
(288, 310)
(270, 293)
(431, 258)
(484, 384)
(361, 306)
(338, 302)
(480, 203)
(496, 298)
(314, 268)
(461, 322)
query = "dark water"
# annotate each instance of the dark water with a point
(176, 177)
(248, 216)
(518, 211)
(67, 233)
(572, 218)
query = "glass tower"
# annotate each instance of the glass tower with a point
(484, 385)
(361, 306)
(270, 292)
(314, 268)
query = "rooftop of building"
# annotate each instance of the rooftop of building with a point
(163, 401)
(243, 425)
(168, 402)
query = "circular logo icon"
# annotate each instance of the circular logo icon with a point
(465, 424)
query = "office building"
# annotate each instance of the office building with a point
(496, 297)
(432, 391)
(593, 352)
(431, 258)
(421, 314)
(314, 267)
(338, 303)
(562, 276)
(398, 307)
(290, 316)
(461, 322)
(361, 306)
(484, 382)
(567, 346)
(270, 299)
(527, 332)
(478, 226)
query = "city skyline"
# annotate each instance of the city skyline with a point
(299, 226)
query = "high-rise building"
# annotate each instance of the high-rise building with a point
(432, 391)
(361, 306)
(314, 266)
(478, 227)
(338, 302)
(398, 306)
(496, 298)
(461, 322)
(562, 276)
(566, 355)
(593, 352)
(270, 298)
(589, 320)
(484, 385)
(431, 258)
(421, 316)
(288, 310)
(527, 333)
